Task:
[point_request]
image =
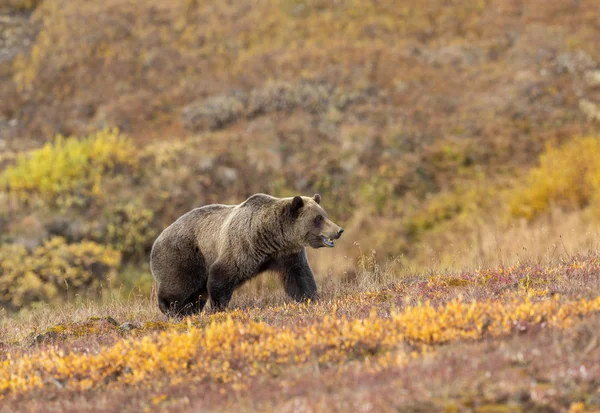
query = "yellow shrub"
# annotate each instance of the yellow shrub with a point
(233, 348)
(567, 177)
(52, 270)
(68, 168)
(19, 5)
(130, 228)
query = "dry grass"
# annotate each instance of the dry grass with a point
(492, 241)
(415, 121)
(369, 331)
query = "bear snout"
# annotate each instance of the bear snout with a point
(336, 233)
(333, 232)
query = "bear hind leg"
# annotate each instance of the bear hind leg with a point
(221, 284)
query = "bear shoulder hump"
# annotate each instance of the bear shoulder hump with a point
(258, 199)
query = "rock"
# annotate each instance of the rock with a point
(112, 321)
(206, 162)
(128, 327)
(578, 61)
(226, 175)
(454, 55)
(214, 113)
(590, 109)
(593, 78)
(46, 337)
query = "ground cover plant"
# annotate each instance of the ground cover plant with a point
(527, 331)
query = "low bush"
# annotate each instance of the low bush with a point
(19, 5)
(567, 177)
(313, 97)
(68, 170)
(130, 229)
(54, 271)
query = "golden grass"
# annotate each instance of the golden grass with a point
(383, 321)
(238, 347)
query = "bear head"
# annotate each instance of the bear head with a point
(311, 225)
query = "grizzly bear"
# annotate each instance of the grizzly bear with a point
(210, 251)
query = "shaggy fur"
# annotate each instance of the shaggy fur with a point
(210, 251)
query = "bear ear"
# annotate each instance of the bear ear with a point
(297, 203)
(317, 198)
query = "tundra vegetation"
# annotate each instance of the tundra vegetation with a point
(457, 142)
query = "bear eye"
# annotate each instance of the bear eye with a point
(318, 219)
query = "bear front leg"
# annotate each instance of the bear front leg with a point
(221, 283)
(297, 277)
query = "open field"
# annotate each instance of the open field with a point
(520, 338)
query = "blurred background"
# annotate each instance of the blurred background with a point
(442, 134)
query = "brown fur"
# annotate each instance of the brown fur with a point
(212, 250)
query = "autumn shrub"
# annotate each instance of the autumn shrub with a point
(130, 229)
(19, 5)
(440, 209)
(231, 347)
(567, 177)
(281, 96)
(53, 271)
(218, 111)
(69, 169)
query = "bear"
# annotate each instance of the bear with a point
(210, 251)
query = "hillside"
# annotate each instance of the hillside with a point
(416, 122)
